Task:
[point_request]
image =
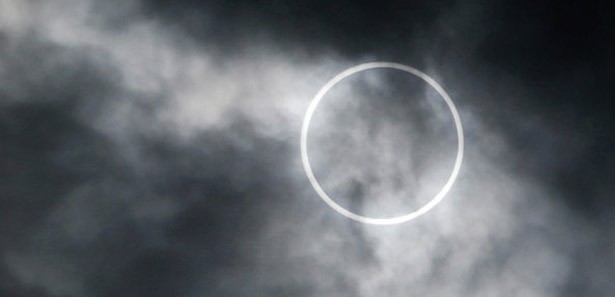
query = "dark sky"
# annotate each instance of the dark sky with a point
(151, 148)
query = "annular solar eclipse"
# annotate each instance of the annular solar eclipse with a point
(388, 220)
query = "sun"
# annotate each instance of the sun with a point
(391, 220)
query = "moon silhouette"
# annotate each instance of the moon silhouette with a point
(396, 219)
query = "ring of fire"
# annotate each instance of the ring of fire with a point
(391, 220)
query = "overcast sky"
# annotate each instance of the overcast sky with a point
(151, 148)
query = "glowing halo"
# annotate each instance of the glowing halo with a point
(392, 220)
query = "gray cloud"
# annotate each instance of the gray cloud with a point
(152, 149)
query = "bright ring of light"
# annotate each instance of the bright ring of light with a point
(392, 220)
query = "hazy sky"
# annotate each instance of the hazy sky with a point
(151, 148)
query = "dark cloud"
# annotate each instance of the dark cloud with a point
(353, 28)
(151, 148)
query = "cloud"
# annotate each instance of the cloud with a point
(154, 151)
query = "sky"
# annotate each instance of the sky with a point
(151, 148)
